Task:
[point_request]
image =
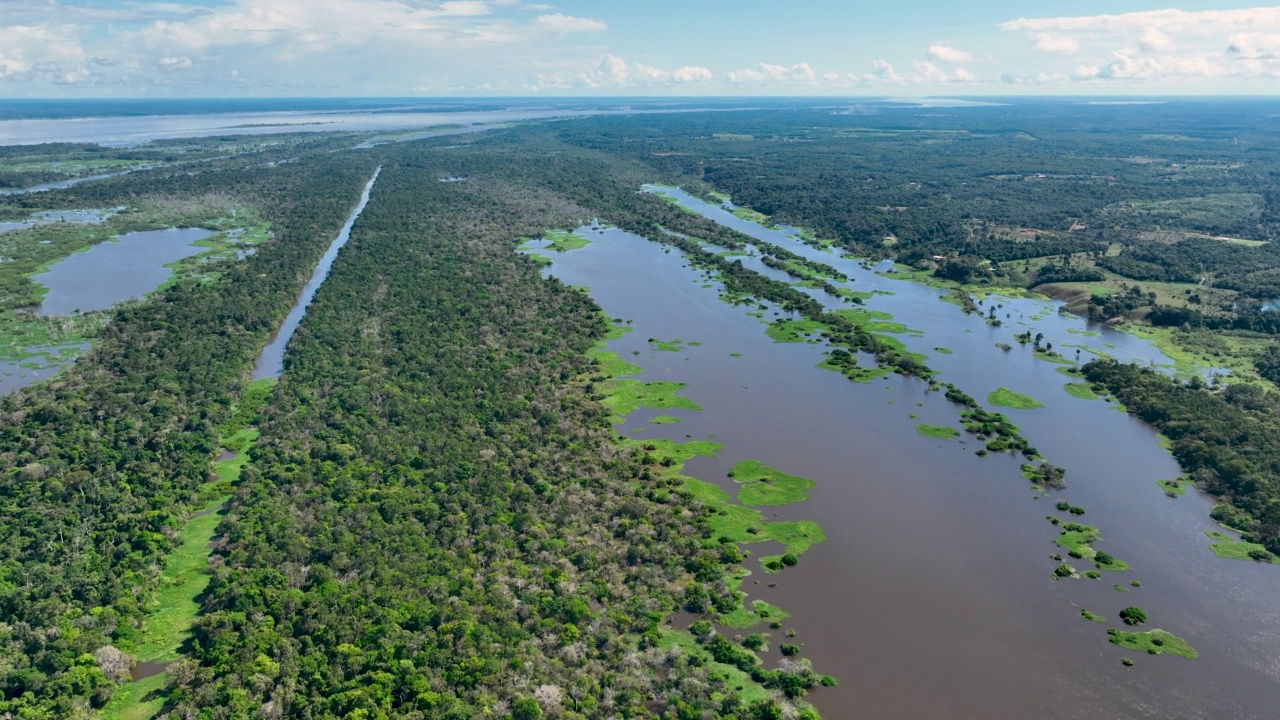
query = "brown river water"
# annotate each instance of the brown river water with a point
(932, 595)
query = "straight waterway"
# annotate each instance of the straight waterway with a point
(932, 595)
(270, 363)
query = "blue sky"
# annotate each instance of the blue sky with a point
(183, 48)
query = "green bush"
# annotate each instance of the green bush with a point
(1133, 615)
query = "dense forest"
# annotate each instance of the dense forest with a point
(101, 467)
(438, 519)
(1228, 442)
(1185, 201)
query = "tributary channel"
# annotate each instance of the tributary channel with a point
(270, 363)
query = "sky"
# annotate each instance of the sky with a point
(402, 48)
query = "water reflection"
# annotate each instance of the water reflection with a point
(111, 272)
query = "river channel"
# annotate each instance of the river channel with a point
(932, 596)
(270, 363)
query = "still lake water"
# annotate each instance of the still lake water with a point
(111, 272)
(97, 279)
(932, 596)
(49, 361)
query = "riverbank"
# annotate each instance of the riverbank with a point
(730, 524)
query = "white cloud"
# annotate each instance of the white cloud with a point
(1050, 43)
(691, 74)
(361, 46)
(948, 54)
(36, 53)
(1040, 78)
(465, 8)
(924, 72)
(1254, 46)
(1153, 39)
(559, 22)
(613, 71)
(1173, 47)
(171, 64)
(1203, 22)
(882, 70)
(766, 73)
(610, 70)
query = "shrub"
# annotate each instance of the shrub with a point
(1133, 615)
(789, 560)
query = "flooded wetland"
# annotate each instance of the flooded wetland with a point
(940, 448)
(933, 594)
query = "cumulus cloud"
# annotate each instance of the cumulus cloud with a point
(765, 73)
(691, 74)
(42, 53)
(613, 71)
(925, 72)
(1152, 39)
(1205, 22)
(610, 70)
(561, 23)
(922, 72)
(287, 43)
(1254, 46)
(1050, 43)
(171, 64)
(1174, 46)
(948, 54)
(883, 70)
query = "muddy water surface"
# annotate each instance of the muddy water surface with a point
(932, 596)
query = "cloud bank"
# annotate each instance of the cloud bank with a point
(390, 47)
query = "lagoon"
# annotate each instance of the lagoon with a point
(111, 272)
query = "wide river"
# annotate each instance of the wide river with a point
(932, 595)
(137, 130)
